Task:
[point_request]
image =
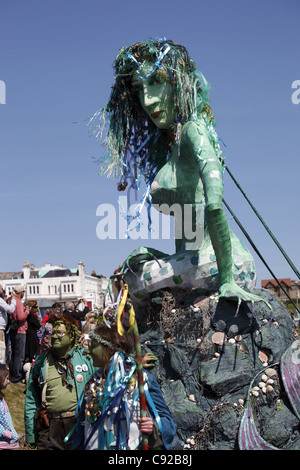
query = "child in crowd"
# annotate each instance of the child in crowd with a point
(8, 435)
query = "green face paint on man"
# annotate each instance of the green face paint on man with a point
(61, 341)
(96, 353)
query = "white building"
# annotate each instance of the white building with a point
(50, 284)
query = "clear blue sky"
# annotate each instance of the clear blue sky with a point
(56, 62)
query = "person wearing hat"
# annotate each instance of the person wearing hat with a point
(56, 385)
(18, 337)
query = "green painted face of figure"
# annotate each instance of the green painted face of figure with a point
(60, 340)
(155, 95)
(98, 353)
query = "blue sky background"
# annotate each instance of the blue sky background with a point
(56, 61)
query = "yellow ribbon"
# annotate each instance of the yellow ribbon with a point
(120, 311)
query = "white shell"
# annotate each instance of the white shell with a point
(255, 393)
(270, 372)
(263, 356)
(231, 341)
(264, 377)
(218, 337)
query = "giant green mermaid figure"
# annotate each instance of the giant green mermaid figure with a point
(160, 125)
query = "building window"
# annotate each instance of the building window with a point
(32, 290)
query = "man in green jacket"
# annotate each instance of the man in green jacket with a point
(55, 387)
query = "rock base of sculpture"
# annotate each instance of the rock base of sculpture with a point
(208, 356)
(148, 270)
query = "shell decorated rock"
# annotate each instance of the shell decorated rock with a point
(218, 337)
(271, 372)
(263, 356)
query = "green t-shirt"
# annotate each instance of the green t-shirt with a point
(59, 397)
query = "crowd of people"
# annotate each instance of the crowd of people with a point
(80, 380)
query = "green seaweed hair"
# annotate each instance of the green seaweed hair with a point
(135, 146)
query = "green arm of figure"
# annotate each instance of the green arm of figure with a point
(211, 173)
(33, 398)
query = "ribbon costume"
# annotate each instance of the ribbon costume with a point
(108, 418)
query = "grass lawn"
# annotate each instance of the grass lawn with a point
(15, 398)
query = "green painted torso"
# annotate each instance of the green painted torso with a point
(179, 179)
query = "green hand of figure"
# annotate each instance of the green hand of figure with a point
(231, 290)
(149, 360)
(220, 236)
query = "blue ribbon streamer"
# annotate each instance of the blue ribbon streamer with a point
(122, 408)
(151, 403)
(162, 53)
